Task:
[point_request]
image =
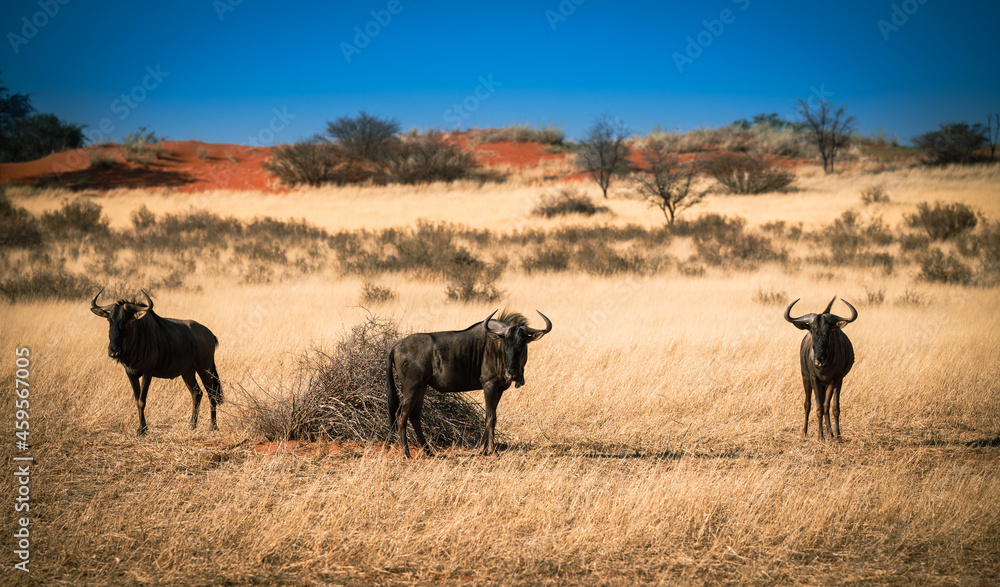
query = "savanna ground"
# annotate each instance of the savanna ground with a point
(658, 438)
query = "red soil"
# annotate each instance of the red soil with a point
(193, 166)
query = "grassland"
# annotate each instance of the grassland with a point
(658, 438)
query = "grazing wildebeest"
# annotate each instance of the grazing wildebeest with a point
(489, 355)
(826, 356)
(150, 346)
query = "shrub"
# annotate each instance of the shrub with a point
(78, 216)
(311, 162)
(951, 143)
(935, 266)
(547, 258)
(770, 297)
(18, 227)
(99, 161)
(567, 201)
(748, 174)
(523, 133)
(142, 147)
(48, 283)
(341, 395)
(911, 298)
(474, 281)
(601, 259)
(372, 293)
(708, 226)
(875, 194)
(143, 219)
(943, 221)
(737, 248)
(875, 297)
(987, 245)
(429, 158)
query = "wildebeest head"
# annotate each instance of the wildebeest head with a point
(821, 326)
(120, 314)
(515, 335)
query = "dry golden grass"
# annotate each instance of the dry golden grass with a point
(658, 438)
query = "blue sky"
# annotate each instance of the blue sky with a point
(244, 71)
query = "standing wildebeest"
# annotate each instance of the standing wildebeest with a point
(150, 346)
(826, 356)
(489, 355)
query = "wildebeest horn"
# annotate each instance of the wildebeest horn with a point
(854, 314)
(830, 305)
(538, 332)
(97, 309)
(149, 301)
(788, 312)
(803, 321)
(488, 328)
(93, 302)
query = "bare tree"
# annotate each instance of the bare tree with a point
(992, 134)
(604, 153)
(831, 128)
(666, 183)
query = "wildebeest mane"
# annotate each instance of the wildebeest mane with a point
(495, 351)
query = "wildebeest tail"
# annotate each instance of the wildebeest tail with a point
(391, 392)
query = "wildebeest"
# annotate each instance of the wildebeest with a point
(150, 346)
(489, 355)
(826, 356)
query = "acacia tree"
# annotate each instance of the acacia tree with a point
(604, 152)
(830, 127)
(664, 182)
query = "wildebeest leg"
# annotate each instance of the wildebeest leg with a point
(139, 404)
(140, 401)
(408, 401)
(492, 394)
(192, 385)
(818, 390)
(826, 408)
(808, 386)
(417, 428)
(211, 382)
(835, 408)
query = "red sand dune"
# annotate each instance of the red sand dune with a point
(192, 166)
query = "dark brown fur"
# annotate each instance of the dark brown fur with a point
(453, 361)
(149, 346)
(826, 356)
